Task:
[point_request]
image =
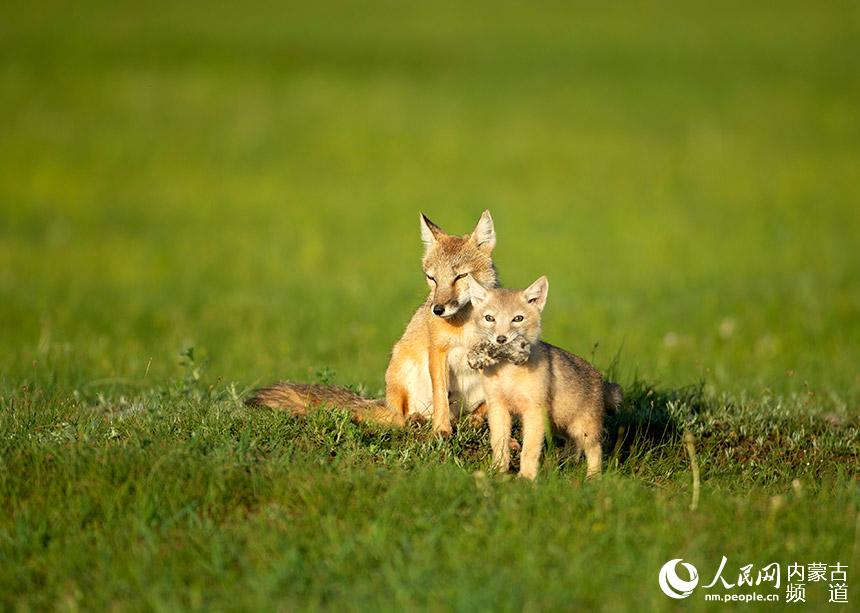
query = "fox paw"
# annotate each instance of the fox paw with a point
(442, 431)
(416, 419)
(478, 416)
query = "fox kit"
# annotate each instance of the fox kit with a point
(525, 376)
(428, 367)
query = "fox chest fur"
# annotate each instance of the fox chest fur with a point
(410, 363)
(465, 391)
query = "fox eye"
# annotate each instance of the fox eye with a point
(460, 276)
(517, 319)
(489, 318)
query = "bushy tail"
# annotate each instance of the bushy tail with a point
(612, 396)
(298, 398)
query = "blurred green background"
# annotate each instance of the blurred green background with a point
(246, 179)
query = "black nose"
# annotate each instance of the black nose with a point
(438, 309)
(501, 340)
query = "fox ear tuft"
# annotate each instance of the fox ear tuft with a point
(536, 293)
(477, 291)
(484, 233)
(430, 232)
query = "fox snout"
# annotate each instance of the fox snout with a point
(446, 309)
(501, 337)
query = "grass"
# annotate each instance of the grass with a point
(246, 182)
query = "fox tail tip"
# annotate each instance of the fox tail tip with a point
(614, 396)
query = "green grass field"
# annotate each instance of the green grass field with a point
(246, 180)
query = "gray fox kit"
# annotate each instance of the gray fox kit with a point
(525, 376)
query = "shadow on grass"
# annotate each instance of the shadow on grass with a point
(650, 418)
(767, 438)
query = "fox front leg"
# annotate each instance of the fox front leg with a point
(439, 383)
(533, 435)
(500, 435)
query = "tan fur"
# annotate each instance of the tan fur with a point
(427, 374)
(550, 383)
(297, 398)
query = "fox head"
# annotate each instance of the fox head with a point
(449, 259)
(509, 315)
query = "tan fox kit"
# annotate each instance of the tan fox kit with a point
(525, 376)
(428, 365)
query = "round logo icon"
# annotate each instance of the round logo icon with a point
(672, 585)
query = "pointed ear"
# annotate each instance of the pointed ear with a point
(536, 293)
(477, 291)
(430, 232)
(484, 234)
